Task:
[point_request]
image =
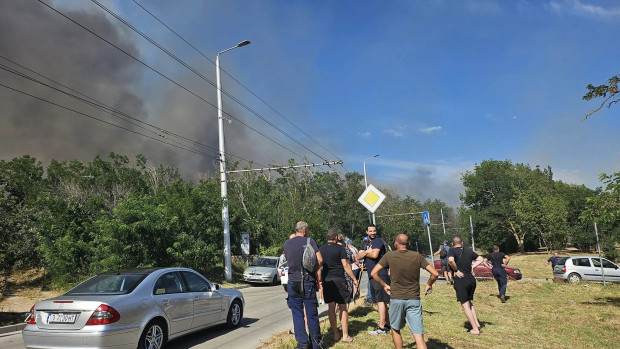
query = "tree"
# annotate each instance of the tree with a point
(608, 92)
(604, 209)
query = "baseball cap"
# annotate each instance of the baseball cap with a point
(445, 241)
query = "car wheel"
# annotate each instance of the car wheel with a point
(285, 289)
(574, 278)
(275, 280)
(153, 336)
(235, 313)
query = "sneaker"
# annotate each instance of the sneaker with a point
(503, 298)
(367, 302)
(378, 330)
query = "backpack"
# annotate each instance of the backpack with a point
(308, 259)
(443, 253)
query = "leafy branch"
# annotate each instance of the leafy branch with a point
(608, 92)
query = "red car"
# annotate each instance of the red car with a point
(483, 273)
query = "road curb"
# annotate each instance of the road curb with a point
(12, 328)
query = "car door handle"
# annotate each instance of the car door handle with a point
(165, 301)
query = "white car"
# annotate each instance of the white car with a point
(283, 269)
(264, 270)
(575, 269)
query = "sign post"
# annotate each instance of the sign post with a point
(426, 219)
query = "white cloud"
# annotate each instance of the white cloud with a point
(399, 132)
(365, 134)
(579, 8)
(429, 130)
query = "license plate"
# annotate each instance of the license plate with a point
(60, 318)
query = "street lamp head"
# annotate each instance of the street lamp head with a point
(374, 156)
(243, 43)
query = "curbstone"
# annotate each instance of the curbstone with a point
(12, 328)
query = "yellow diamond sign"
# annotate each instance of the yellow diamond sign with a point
(371, 198)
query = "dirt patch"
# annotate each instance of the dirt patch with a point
(22, 290)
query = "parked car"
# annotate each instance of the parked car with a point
(575, 269)
(263, 270)
(132, 309)
(483, 273)
(283, 269)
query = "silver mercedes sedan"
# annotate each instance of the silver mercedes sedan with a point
(132, 309)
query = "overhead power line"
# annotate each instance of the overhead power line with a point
(167, 78)
(232, 77)
(326, 163)
(158, 131)
(107, 122)
(199, 74)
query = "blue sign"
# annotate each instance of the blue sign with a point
(425, 218)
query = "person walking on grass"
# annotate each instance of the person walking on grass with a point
(553, 260)
(303, 301)
(460, 259)
(373, 253)
(497, 267)
(442, 251)
(404, 289)
(335, 288)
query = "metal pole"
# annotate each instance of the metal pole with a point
(223, 182)
(430, 245)
(471, 231)
(443, 224)
(372, 220)
(598, 246)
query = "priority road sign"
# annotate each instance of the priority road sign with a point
(371, 198)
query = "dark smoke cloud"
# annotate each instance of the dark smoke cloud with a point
(36, 37)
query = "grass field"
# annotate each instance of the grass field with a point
(535, 315)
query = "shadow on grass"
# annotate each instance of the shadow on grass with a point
(432, 344)
(483, 324)
(605, 301)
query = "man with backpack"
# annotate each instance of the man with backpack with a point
(304, 278)
(445, 267)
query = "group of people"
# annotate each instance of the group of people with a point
(394, 279)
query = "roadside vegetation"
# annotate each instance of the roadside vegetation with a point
(535, 315)
(72, 220)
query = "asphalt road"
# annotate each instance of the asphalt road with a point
(265, 314)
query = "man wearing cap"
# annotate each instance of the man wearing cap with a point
(445, 267)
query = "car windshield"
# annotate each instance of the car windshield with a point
(108, 284)
(562, 261)
(265, 262)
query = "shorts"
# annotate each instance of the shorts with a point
(409, 310)
(465, 288)
(336, 290)
(378, 293)
(445, 266)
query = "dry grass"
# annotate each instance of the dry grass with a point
(535, 315)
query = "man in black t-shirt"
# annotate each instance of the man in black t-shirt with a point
(497, 267)
(335, 291)
(373, 253)
(460, 259)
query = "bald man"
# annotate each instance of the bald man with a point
(404, 289)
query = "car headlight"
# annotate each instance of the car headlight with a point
(517, 271)
(267, 273)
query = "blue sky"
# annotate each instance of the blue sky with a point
(434, 87)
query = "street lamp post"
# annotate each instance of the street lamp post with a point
(366, 182)
(223, 183)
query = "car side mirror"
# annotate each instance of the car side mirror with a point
(216, 286)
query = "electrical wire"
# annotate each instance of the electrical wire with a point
(166, 77)
(232, 77)
(109, 110)
(106, 122)
(195, 71)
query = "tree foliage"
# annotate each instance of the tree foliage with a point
(608, 92)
